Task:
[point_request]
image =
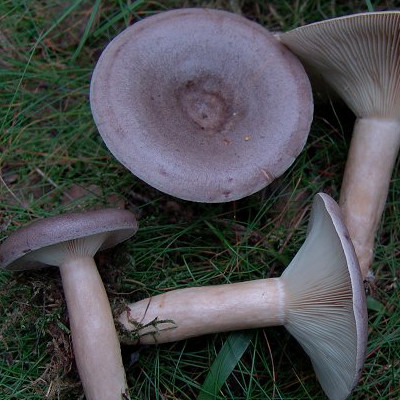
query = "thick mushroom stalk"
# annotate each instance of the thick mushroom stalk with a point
(366, 182)
(70, 242)
(359, 57)
(184, 313)
(96, 345)
(319, 298)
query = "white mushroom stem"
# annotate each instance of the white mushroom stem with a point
(359, 57)
(374, 148)
(70, 242)
(319, 299)
(96, 346)
(202, 310)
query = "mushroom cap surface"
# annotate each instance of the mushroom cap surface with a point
(326, 300)
(358, 56)
(49, 241)
(202, 104)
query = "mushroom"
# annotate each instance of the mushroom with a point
(359, 57)
(202, 104)
(319, 298)
(70, 242)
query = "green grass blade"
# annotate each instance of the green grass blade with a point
(130, 8)
(226, 360)
(61, 18)
(369, 5)
(93, 14)
(375, 305)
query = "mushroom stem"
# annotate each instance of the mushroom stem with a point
(223, 307)
(96, 346)
(319, 299)
(374, 147)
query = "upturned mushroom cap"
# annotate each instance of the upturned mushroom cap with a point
(202, 104)
(319, 298)
(50, 241)
(70, 241)
(326, 304)
(359, 56)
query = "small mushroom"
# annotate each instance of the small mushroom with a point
(70, 242)
(359, 57)
(319, 298)
(202, 104)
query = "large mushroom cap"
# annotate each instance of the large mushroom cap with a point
(54, 237)
(326, 299)
(359, 56)
(201, 104)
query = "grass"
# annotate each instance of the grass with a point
(52, 160)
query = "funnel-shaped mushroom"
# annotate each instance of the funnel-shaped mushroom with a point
(70, 242)
(319, 298)
(202, 104)
(359, 56)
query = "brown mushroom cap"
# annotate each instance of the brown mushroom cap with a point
(57, 236)
(202, 104)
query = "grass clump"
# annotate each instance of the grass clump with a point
(52, 160)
